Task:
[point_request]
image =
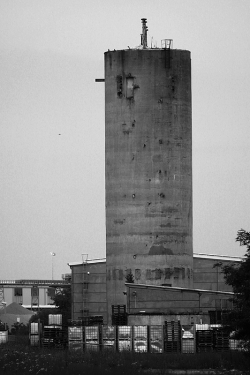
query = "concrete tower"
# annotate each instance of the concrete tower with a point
(148, 167)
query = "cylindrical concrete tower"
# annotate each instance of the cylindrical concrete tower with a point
(148, 168)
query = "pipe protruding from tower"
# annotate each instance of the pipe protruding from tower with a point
(144, 41)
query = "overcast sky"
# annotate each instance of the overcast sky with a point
(52, 186)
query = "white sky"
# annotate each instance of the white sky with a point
(52, 186)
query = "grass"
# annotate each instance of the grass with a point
(20, 358)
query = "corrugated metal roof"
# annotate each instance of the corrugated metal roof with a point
(219, 257)
(176, 289)
(88, 261)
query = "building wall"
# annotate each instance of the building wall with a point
(208, 273)
(164, 301)
(148, 168)
(89, 290)
(159, 320)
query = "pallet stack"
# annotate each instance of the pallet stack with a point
(204, 341)
(54, 335)
(140, 338)
(221, 340)
(92, 338)
(188, 339)
(75, 336)
(156, 339)
(119, 315)
(124, 338)
(108, 337)
(172, 337)
(34, 334)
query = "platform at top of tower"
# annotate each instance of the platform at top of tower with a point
(146, 49)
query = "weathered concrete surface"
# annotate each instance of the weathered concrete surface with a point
(148, 168)
(152, 299)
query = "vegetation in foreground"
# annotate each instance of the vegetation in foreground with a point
(19, 358)
(238, 276)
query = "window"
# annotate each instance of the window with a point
(129, 87)
(18, 292)
(34, 291)
(119, 85)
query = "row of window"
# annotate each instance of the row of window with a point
(18, 292)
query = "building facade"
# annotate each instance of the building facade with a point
(31, 294)
(209, 295)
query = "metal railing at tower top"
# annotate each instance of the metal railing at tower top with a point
(167, 43)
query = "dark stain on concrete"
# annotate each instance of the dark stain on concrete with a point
(119, 221)
(168, 273)
(160, 250)
(157, 158)
(127, 131)
(156, 215)
(169, 209)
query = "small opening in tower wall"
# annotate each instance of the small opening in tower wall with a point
(129, 87)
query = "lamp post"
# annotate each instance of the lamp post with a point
(52, 264)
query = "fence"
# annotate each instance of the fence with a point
(172, 337)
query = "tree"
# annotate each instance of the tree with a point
(43, 315)
(62, 300)
(238, 276)
(130, 278)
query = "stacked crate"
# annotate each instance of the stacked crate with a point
(172, 336)
(119, 315)
(34, 334)
(75, 337)
(124, 338)
(3, 337)
(92, 338)
(221, 340)
(55, 319)
(54, 336)
(204, 340)
(156, 343)
(188, 339)
(108, 336)
(140, 338)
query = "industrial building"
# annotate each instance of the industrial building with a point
(150, 267)
(147, 303)
(31, 294)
